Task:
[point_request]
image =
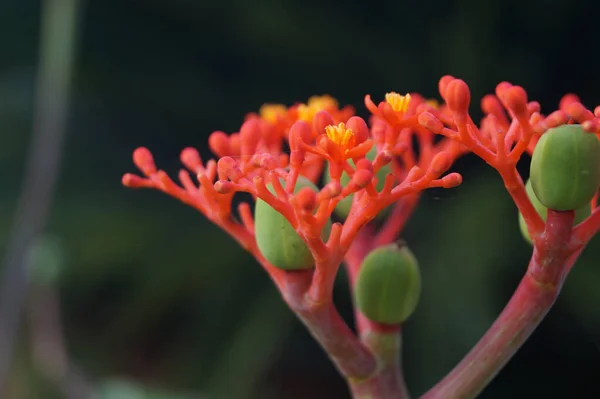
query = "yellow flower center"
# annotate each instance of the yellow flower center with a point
(271, 112)
(306, 112)
(399, 103)
(433, 103)
(322, 102)
(340, 135)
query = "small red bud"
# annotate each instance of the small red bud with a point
(133, 181)
(458, 96)
(516, 100)
(501, 89)
(191, 159)
(592, 126)
(567, 100)
(235, 144)
(142, 158)
(414, 174)
(451, 180)
(430, 122)
(359, 128)
(362, 177)
(300, 132)
(218, 142)
(224, 187)
(321, 120)
(250, 135)
(306, 199)
(229, 167)
(491, 105)
(443, 84)
(268, 161)
(578, 111)
(440, 163)
(533, 106)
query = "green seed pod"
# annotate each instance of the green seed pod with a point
(388, 285)
(565, 168)
(277, 240)
(580, 214)
(343, 207)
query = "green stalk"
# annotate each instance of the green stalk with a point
(57, 45)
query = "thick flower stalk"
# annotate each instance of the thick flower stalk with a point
(255, 160)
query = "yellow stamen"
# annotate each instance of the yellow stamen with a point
(399, 103)
(272, 112)
(433, 103)
(340, 135)
(322, 102)
(307, 112)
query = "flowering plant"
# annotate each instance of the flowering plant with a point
(312, 163)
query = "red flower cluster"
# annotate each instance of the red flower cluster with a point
(321, 132)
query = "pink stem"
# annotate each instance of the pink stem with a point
(350, 356)
(353, 359)
(529, 304)
(402, 210)
(388, 383)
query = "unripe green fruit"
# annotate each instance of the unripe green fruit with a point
(580, 214)
(565, 168)
(343, 207)
(388, 285)
(277, 240)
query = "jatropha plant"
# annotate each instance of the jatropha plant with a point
(332, 189)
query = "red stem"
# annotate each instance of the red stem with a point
(388, 383)
(350, 356)
(515, 187)
(402, 210)
(586, 230)
(529, 304)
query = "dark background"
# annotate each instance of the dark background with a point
(154, 293)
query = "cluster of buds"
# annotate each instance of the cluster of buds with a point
(320, 176)
(564, 146)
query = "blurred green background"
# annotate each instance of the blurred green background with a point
(152, 293)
